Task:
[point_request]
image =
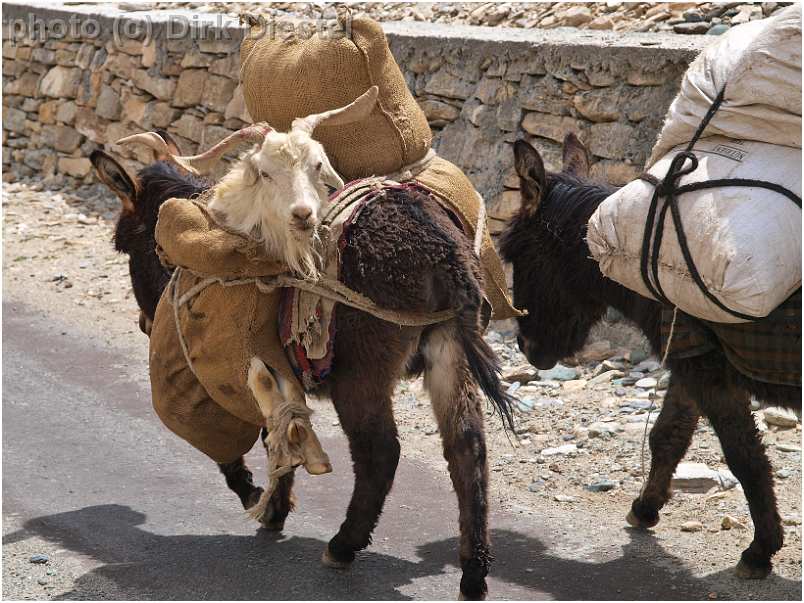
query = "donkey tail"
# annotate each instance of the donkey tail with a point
(483, 363)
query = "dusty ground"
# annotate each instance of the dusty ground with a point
(58, 258)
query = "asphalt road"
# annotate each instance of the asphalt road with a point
(89, 468)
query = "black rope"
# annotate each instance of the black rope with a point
(670, 189)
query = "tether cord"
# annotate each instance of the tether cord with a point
(670, 188)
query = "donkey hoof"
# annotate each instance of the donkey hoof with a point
(329, 560)
(752, 572)
(463, 597)
(639, 517)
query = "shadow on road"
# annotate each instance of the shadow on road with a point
(138, 564)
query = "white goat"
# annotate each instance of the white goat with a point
(274, 194)
(275, 191)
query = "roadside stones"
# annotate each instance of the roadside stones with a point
(574, 385)
(601, 430)
(697, 478)
(691, 28)
(788, 448)
(564, 498)
(564, 449)
(523, 373)
(647, 383)
(536, 485)
(691, 526)
(728, 523)
(559, 373)
(603, 485)
(75, 166)
(39, 558)
(780, 417)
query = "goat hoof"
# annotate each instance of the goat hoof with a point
(463, 597)
(330, 561)
(318, 468)
(752, 572)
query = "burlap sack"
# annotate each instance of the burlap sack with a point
(285, 79)
(760, 65)
(210, 405)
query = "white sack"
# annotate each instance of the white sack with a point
(746, 242)
(760, 64)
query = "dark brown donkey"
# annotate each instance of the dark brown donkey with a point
(565, 294)
(405, 253)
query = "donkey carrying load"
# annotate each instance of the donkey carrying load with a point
(565, 294)
(408, 252)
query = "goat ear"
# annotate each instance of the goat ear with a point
(530, 168)
(575, 157)
(115, 176)
(329, 176)
(172, 146)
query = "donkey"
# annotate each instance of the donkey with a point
(404, 252)
(566, 294)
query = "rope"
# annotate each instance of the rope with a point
(670, 188)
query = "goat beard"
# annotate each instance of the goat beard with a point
(301, 253)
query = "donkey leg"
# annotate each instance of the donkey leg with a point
(729, 412)
(374, 447)
(241, 481)
(457, 408)
(669, 440)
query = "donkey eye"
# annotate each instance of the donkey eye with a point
(318, 166)
(266, 175)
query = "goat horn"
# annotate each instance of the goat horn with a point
(203, 162)
(358, 109)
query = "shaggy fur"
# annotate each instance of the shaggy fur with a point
(404, 252)
(566, 294)
(274, 193)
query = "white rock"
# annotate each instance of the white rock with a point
(600, 429)
(646, 383)
(781, 417)
(560, 450)
(697, 478)
(691, 526)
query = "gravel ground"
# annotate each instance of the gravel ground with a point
(577, 458)
(679, 17)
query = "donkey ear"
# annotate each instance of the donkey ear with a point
(530, 168)
(115, 176)
(576, 157)
(172, 146)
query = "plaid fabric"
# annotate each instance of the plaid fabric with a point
(767, 350)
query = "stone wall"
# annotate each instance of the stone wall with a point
(481, 88)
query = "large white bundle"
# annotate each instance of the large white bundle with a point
(760, 64)
(745, 242)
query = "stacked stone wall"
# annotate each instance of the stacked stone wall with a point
(66, 93)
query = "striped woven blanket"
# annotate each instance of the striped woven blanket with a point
(767, 350)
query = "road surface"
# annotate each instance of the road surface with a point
(128, 511)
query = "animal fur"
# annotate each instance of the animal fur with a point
(403, 252)
(566, 294)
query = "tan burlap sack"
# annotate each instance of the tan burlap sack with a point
(285, 79)
(210, 405)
